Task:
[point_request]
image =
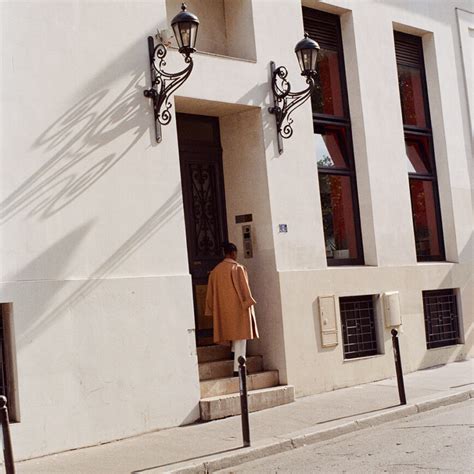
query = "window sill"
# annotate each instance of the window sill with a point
(224, 56)
(459, 344)
(363, 358)
(345, 265)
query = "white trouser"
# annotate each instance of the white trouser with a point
(239, 348)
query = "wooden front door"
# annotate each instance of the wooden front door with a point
(200, 155)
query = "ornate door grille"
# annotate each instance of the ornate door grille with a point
(207, 233)
(358, 326)
(441, 318)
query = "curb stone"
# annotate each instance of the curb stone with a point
(264, 448)
(395, 414)
(323, 435)
(446, 400)
(273, 446)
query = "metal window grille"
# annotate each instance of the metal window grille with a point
(358, 326)
(441, 318)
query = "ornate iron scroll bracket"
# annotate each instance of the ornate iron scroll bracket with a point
(285, 101)
(163, 84)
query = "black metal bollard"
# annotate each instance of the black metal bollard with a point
(398, 367)
(244, 401)
(7, 441)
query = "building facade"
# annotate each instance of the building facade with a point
(102, 274)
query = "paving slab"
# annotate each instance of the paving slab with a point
(217, 444)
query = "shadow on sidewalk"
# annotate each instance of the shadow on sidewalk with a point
(356, 414)
(240, 447)
(185, 460)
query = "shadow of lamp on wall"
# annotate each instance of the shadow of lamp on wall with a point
(163, 84)
(284, 100)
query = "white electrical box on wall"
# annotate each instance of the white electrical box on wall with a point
(391, 309)
(328, 321)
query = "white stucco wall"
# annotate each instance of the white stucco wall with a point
(247, 192)
(384, 197)
(93, 249)
(93, 252)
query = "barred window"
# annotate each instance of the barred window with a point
(358, 326)
(441, 318)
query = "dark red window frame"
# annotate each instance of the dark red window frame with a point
(338, 184)
(424, 193)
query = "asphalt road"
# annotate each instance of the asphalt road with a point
(441, 440)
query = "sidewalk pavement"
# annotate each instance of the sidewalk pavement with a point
(207, 447)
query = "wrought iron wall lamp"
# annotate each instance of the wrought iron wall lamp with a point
(163, 84)
(285, 101)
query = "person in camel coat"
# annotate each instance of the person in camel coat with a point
(230, 303)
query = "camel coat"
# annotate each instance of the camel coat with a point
(230, 303)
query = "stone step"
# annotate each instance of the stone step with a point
(224, 368)
(227, 385)
(214, 408)
(210, 353)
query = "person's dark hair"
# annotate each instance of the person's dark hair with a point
(229, 247)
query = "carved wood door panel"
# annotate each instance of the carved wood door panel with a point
(204, 206)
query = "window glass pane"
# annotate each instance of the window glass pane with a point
(424, 218)
(418, 155)
(330, 149)
(327, 97)
(338, 216)
(411, 95)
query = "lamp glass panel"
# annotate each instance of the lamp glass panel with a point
(193, 35)
(299, 55)
(185, 33)
(177, 35)
(306, 59)
(314, 58)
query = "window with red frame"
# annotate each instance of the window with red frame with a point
(419, 148)
(333, 143)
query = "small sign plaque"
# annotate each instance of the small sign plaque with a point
(282, 228)
(243, 218)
